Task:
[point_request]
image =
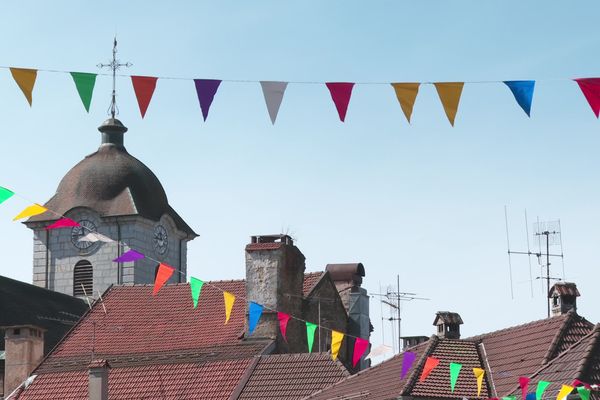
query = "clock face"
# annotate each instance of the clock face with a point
(78, 232)
(160, 239)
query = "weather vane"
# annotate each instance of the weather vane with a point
(114, 65)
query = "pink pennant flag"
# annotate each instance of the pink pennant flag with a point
(62, 223)
(523, 383)
(283, 321)
(591, 90)
(340, 93)
(360, 346)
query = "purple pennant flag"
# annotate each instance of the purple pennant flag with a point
(407, 362)
(206, 90)
(129, 256)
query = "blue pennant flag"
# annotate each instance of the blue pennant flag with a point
(523, 92)
(255, 311)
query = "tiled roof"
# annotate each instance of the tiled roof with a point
(565, 289)
(310, 280)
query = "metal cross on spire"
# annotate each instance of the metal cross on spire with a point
(114, 65)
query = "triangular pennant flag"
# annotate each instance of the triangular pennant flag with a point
(511, 397)
(196, 288)
(162, 276)
(530, 396)
(30, 211)
(479, 373)
(206, 90)
(254, 312)
(406, 94)
(430, 364)
(129, 256)
(523, 92)
(584, 393)
(283, 321)
(229, 300)
(360, 346)
(84, 82)
(591, 90)
(524, 384)
(541, 388)
(454, 371)
(340, 94)
(310, 334)
(379, 351)
(25, 78)
(564, 392)
(407, 361)
(63, 223)
(95, 237)
(143, 86)
(336, 343)
(273, 92)
(5, 194)
(449, 93)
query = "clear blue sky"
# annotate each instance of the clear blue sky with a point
(424, 200)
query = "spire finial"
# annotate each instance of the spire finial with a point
(114, 65)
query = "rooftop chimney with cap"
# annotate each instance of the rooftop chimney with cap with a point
(563, 297)
(98, 380)
(24, 349)
(274, 279)
(448, 324)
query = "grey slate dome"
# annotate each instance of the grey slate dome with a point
(113, 183)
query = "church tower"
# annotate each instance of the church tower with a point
(114, 194)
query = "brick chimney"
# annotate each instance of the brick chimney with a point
(24, 349)
(448, 324)
(98, 380)
(563, 297)
(274, 279)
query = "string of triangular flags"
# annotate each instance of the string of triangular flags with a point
(273, 92)
(255, 312)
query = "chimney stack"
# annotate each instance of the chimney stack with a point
(448, 324)
(24, 349)
(274, 279)
(98, 380)
(563, 297)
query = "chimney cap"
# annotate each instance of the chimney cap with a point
(39, 328)
(345, 272)
(447, 317)
(564, 289)
(275, 238)
(99, 363)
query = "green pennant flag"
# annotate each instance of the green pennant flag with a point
(454, 371)
(196, 286)
(5, 194)
(310, 334)
(583, 392)
(85, 86)
(541, 387)
(511, 397)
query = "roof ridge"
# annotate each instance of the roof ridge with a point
(526, 324)
(557, 337)
(239, 388)
(412, 377)
(583, 363)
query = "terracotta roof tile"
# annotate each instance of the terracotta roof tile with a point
(310, 280)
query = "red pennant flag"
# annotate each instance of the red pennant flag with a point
(340, 93)
(162, 276)
(144, 89)
(430, 364)
(523, 383)
(283, 321)
(591, 90)
(62, 223)
(360, 346)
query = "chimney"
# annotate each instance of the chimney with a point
(274, 279)
(563, 297)
(23, 351)
(448, 324)
(412, 341)
(98, 380)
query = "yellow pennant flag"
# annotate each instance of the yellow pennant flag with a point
(229, 299)
(336, 343)
(479, 372)
(449, 93)
(406, 94)
(25, 78)
(31, 211)
(564, 392)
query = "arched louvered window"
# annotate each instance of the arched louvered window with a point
(83, 279)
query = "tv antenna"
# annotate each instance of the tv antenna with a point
(546, 233)
(393, 299)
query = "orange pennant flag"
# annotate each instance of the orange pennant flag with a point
(336, 343)
(229, 300)
(430, 364)
(30, 211)
(25, 78)
(162, 276)
(406, 94)
(449, 93)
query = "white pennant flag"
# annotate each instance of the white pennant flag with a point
(95, 237)
(273, 92)
(379, 351)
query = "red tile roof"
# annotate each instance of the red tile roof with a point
(310, 280)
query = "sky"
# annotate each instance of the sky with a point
(423, 201)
